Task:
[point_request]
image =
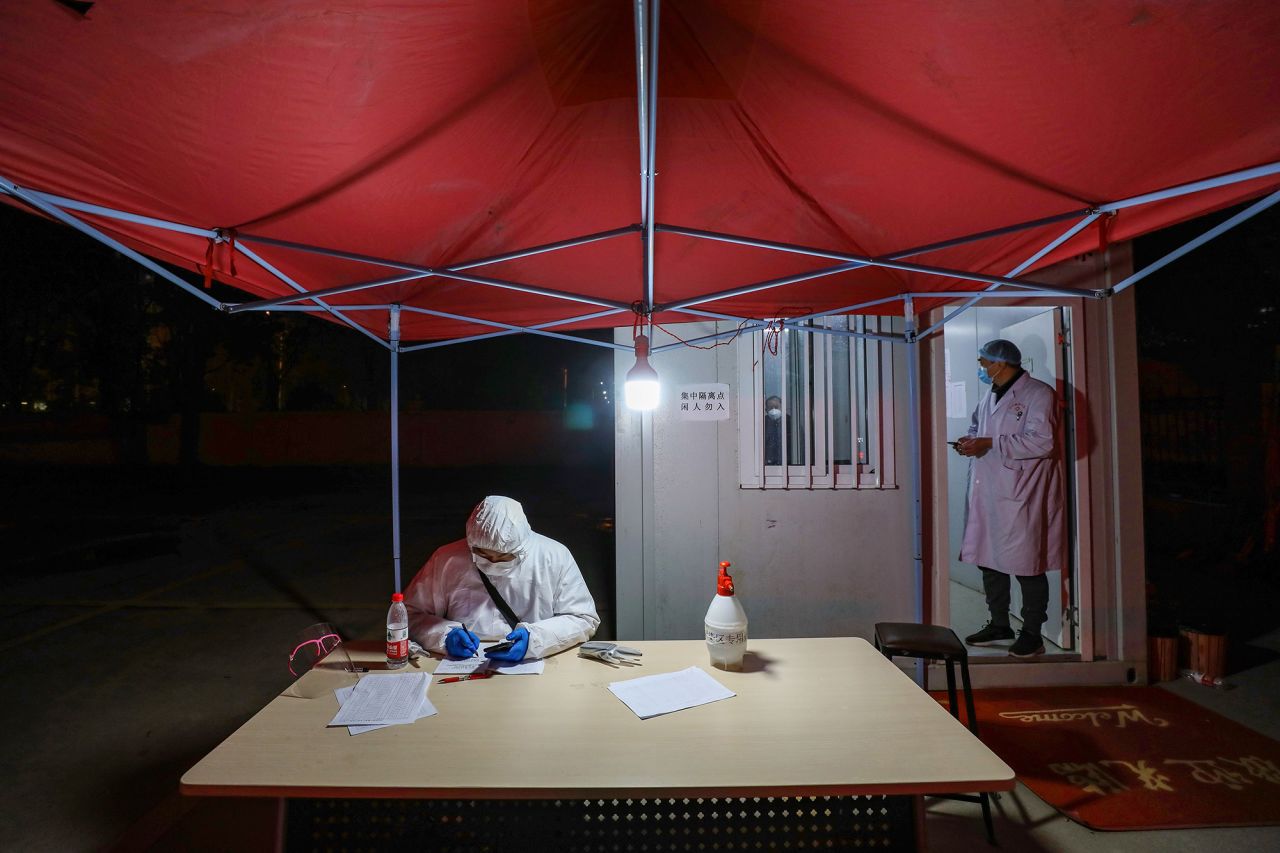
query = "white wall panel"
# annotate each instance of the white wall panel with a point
(806, 563)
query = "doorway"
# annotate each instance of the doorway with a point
(1042, 334)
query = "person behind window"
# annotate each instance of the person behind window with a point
(535, 577)
(1014, 522)
(773, 430)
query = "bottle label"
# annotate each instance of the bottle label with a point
(397, 643)
(725, 638)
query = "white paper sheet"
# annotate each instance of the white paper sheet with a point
(652, 695)
(477, 662)
(465, 666)
(344, 693)
(531, 666)
(383, 700)
(957, 400)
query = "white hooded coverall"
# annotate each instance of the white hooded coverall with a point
(542, 585)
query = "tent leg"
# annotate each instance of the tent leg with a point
(917, 479)
(395, 442)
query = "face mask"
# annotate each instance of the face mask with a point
(775, 413)
(983, 376)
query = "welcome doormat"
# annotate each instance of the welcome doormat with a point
(1132, 757)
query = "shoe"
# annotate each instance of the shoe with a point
(1026, 646)
(989, 635)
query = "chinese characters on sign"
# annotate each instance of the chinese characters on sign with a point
(1114, 777)
(1167, 774)
(706, 402)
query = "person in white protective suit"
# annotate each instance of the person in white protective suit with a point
(534, 579)
(1014, 521)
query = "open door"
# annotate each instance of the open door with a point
(1042, 334)
(1042, 340)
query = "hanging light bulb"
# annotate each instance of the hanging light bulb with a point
(641, 389)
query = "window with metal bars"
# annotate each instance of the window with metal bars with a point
(817, 406)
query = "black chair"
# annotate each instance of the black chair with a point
(935, 642)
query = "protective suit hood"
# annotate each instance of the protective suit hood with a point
(498, 524)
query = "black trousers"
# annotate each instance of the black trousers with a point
(1035, 599)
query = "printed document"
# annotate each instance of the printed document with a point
(344, 693)
(652, 695)
(384, 700)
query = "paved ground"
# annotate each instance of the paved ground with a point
(144, 619)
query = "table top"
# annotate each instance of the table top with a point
(825, 716)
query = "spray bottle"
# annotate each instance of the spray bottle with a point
(726, 625)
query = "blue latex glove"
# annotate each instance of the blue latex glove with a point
(516, 652)
(460, 643)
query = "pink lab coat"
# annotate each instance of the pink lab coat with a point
(1014, 520)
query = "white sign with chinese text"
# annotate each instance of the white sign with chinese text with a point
(706, 402)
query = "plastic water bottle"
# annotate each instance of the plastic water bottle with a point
(397, 633)
(726, 625)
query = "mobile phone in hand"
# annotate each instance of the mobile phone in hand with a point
(500, 647)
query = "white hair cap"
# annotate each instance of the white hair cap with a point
(498, 524)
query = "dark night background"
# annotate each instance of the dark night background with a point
(1209, 371)
(94, 348)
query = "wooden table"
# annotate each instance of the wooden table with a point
(812, 717)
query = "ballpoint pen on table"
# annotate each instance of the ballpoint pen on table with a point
(471, 676)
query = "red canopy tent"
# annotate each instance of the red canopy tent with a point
(551, 165)
(432, 135)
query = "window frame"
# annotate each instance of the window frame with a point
(870, 364)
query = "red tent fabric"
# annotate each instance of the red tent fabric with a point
(435, 133)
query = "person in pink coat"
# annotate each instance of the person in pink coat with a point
(1014, 520)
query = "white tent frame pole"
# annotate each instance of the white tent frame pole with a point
(275, 303)
(757, 322)
(123, 216)
(1000, 294)
(758, 286)
(531, 330)
(865, 304)
(1193, 187)
(1049, 247)
(374, 260)
(905, 253)
(863, 260)
(84, 228)
(53, 205)
(1248, 213)
(647, 98)
(315, 309)
(917, 476)
(517, 331)
(269, 267)
(248, 237)
(422, 271)
(642, 103)
(1114, 207)
(393, 338)
(746, 323)
(1227, 179)
(503, 284)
